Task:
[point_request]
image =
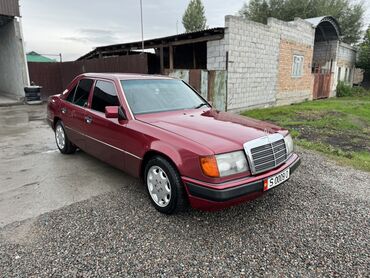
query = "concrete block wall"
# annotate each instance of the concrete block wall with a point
(346, 54)
(345, 65)
(250, 52)
(324, 52)
(216, 54)
(253, 51)
(13, 66)
(299, 30)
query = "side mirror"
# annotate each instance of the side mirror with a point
(121, 114)
(111, 112)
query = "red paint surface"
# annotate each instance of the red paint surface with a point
(181, 136)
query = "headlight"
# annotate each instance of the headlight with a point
(289, 144)
(222, 165)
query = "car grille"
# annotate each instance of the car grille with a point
(266, 153)
(269, 156)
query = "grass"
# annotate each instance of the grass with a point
(337, 127)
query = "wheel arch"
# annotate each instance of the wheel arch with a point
(55, 120)
(152, 153)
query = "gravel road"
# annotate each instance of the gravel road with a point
(317, 224)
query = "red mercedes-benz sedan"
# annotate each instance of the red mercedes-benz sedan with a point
(161, 130)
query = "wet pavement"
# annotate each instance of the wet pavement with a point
(34, 177)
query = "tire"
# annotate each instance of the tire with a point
(159, 169)
(64, 145)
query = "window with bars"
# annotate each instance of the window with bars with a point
(297, 68)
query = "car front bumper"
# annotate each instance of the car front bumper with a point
(216, 196)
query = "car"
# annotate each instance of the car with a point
(161, 130)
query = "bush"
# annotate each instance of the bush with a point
(344, 90)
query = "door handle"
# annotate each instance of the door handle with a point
(88, 120)
(63, 110)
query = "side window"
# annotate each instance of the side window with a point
(104, 95)
(71, 94)
(82, 92)
(297, 68)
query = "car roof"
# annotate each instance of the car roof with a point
(124, 76)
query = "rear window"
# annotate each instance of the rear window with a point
(105, 94)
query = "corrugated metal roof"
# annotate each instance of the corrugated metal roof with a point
(35, 57)
(329, 30)
(208, 33)
(9, 7)
(315, 20)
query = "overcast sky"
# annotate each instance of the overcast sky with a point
(74, 27)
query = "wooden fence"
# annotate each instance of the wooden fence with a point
(54, 77)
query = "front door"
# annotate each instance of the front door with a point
(104, 137)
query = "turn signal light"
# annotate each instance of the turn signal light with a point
(209, 166)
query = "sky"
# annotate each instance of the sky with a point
(75, 27)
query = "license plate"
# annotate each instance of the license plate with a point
(276, 180)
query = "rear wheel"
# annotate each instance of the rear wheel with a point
(164, 186)
(64, 145)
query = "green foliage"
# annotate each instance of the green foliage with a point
(344, 90)
(349, 13)
(194, 18)
(364, 51)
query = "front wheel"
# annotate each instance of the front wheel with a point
(164, 186)
(64, 145)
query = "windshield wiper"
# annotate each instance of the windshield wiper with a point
(200, 105)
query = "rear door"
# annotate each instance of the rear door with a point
(104, 137)
(73, 110)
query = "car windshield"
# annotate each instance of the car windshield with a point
(160, 95)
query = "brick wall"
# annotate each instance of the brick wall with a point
(294, 89)
(253, 61)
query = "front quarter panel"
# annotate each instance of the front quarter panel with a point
(142, 138)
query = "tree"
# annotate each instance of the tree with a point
(364, 51)
(194, 18)
(349, 13)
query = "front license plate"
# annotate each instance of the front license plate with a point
(276, 180)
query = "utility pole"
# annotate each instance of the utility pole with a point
(142, 27)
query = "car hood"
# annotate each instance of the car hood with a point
(219, 131)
